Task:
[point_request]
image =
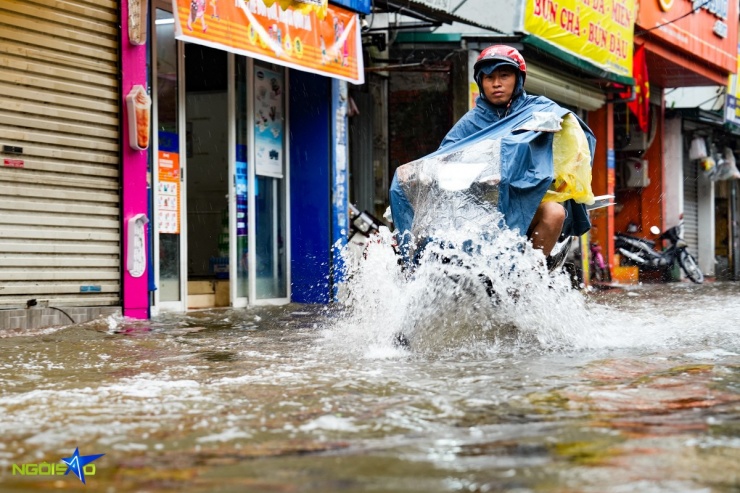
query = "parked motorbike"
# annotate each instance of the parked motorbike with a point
(641, 252)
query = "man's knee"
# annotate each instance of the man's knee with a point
(552, 213)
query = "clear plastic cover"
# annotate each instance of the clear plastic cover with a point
(456, 190)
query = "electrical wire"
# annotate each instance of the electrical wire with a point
(67, 314)
(643, 31)
(372, 15)
(458, 6)
(714, 98)
(33, 302)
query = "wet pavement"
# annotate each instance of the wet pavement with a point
(608, 391)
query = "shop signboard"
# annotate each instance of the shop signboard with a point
(706, 29)
(597, 31)
(361, 6)
(314, 37)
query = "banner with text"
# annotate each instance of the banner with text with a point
(598, 31)
(321, 39)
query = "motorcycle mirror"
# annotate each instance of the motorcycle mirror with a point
(655, 230)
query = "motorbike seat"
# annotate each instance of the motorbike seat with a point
(650, 243)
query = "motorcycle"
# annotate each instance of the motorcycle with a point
(364, 225)
(641, 252)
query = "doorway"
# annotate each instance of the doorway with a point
(207, 176)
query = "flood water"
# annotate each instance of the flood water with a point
(549, 389)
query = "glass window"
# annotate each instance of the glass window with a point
(270, 213)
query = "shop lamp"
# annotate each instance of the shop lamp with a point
(137, 10)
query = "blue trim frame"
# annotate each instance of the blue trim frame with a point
(340, 179)
(310, 154)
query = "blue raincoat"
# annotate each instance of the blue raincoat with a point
(526, 163)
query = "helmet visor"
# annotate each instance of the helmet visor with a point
(497, 64)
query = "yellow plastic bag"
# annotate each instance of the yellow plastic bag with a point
(572, 165)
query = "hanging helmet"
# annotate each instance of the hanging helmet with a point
(500, 54)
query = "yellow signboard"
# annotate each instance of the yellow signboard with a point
(598, 31)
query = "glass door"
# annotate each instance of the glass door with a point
(268, 191)
(193, 88)
(166, 176)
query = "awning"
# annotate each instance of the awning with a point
(322, 39)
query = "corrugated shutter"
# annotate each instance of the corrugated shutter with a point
(60, 237)
(562, 88)
(362, 177)
(691, 204)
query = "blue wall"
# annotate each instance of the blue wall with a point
(310, 197)
(361, 6)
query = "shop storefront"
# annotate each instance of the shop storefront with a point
(710, 186)
(246, 175)
(685, 44)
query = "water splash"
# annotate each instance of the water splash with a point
(491, 293)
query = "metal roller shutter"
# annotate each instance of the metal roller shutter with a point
(690, 204)
(60, 236)
(562, 88)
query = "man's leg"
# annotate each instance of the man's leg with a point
(546, 226)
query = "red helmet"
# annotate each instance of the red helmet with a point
(501, 53)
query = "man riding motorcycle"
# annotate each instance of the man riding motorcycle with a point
(544, 168)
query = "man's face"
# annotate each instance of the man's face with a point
(499, 85)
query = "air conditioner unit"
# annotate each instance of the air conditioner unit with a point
(635, 173)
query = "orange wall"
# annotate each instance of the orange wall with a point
(644, 206)
(602, 181)
(652, 196)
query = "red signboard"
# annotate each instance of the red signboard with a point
(705, 29)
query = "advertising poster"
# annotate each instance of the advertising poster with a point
(241, 198)
(168, 193)
(268, 121)
(310, 36)
(597, 31)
